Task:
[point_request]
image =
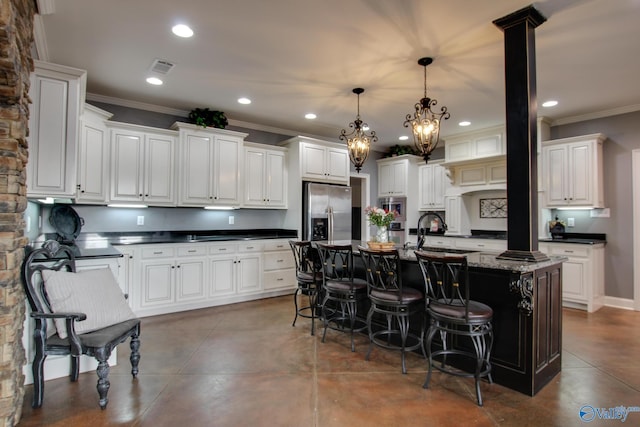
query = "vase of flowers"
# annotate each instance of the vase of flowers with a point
(381, 219)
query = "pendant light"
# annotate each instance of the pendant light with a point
(358, 142)
(424, 123)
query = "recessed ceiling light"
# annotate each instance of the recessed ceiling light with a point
(550, 103)
(154, 81)
(403, 138)
(182, 30)
(464, 123)
(310, 116)
(244, 100)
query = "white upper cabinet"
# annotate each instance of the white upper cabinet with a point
(485, 144)
(93, 156)
(211, 164)
(57, 94)
(142, 165)
(395, 174)
(432, 185)
(265, 182)
(572, 172)
(324, 163)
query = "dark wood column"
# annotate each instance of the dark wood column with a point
(520, 90)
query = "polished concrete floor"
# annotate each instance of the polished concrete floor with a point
(244, 365)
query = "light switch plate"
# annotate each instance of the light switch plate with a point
(140, 220)
(231, 220)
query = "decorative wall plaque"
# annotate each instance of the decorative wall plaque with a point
(493, 208)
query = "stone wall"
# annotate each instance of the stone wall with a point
(16, 63)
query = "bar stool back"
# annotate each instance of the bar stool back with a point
(398, 304)
(452, 313)
(309, 280)
(342, 292)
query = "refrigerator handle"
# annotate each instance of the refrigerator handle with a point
(330, 223)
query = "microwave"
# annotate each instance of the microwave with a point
(395, 204)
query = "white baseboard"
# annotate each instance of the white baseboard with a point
(615, 302)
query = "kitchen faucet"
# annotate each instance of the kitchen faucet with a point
(420, 232)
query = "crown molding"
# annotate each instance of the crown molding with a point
(46, 7)
(137, 105)
(183, 113)
(596, 115)
(40, 39)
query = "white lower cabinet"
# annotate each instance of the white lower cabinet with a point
(157, 283)
(165, 278)
(278, 266)
(191, 270)
(249, 267)
(582, 274)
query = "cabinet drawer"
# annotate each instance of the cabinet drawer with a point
(163, 252)
(482, 244)
(221, 249)
(192, 250)
(279, 279)
(569, 250)
(250, 247)
(278, 260)
(277, 245)
(440, 242)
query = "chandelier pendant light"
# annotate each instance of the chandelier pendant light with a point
(358, 141)
(424, 123)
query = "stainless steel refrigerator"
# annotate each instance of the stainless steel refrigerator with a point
(326, 212)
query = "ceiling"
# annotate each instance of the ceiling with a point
(291, 57)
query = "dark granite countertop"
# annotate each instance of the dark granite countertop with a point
(485, 260)
(579, 238)
(576, 238)
(100, 245)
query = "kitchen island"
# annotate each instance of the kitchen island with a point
(526, 298)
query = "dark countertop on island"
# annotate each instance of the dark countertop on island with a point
(100, 245)
(576, 238)
(486, 260)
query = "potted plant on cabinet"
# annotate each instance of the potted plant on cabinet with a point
(205, 117)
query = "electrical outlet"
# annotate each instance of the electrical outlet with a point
(140, 220)
(231, 220)
(571, 222)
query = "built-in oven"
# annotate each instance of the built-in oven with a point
(398, 205)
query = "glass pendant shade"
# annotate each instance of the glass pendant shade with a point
(358, 142)
(424, 123)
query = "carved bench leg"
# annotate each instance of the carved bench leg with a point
(75, 368)
(103, 383)
(135, 353)
(38, 379)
